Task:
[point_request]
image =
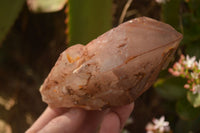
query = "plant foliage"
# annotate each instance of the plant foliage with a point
(9, 11)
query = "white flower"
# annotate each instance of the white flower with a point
(187, 86)
(196, 89)
(161, 125)
(158, 125)
(189, 62)
(178, 66)
(198, 65)
(195, 75)
(161, 1)
(150, 128)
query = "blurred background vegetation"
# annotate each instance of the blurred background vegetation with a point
(33, 33)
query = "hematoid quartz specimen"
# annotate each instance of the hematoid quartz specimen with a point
(112, 70)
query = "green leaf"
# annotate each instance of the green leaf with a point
(191, 28)
(194, 6)
(170, 13)
(46, 5)
(193, 49)
(194, 99)
(171, 89)
(9, 10)
(190, 21)
(88, 19)
(187, 126)
(186, 111)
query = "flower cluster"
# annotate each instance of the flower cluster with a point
(187, 67)
(158, 126)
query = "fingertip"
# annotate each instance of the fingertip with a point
(66, 123)
(125, 108)
(123, 113)
(110, 123)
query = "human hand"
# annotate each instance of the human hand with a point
(76, 120)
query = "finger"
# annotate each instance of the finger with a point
(114, 121)
(92, 121)
(46, 116)
(68, 122)
(123, 113)
(110, 123)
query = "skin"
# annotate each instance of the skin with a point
(76, 120)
